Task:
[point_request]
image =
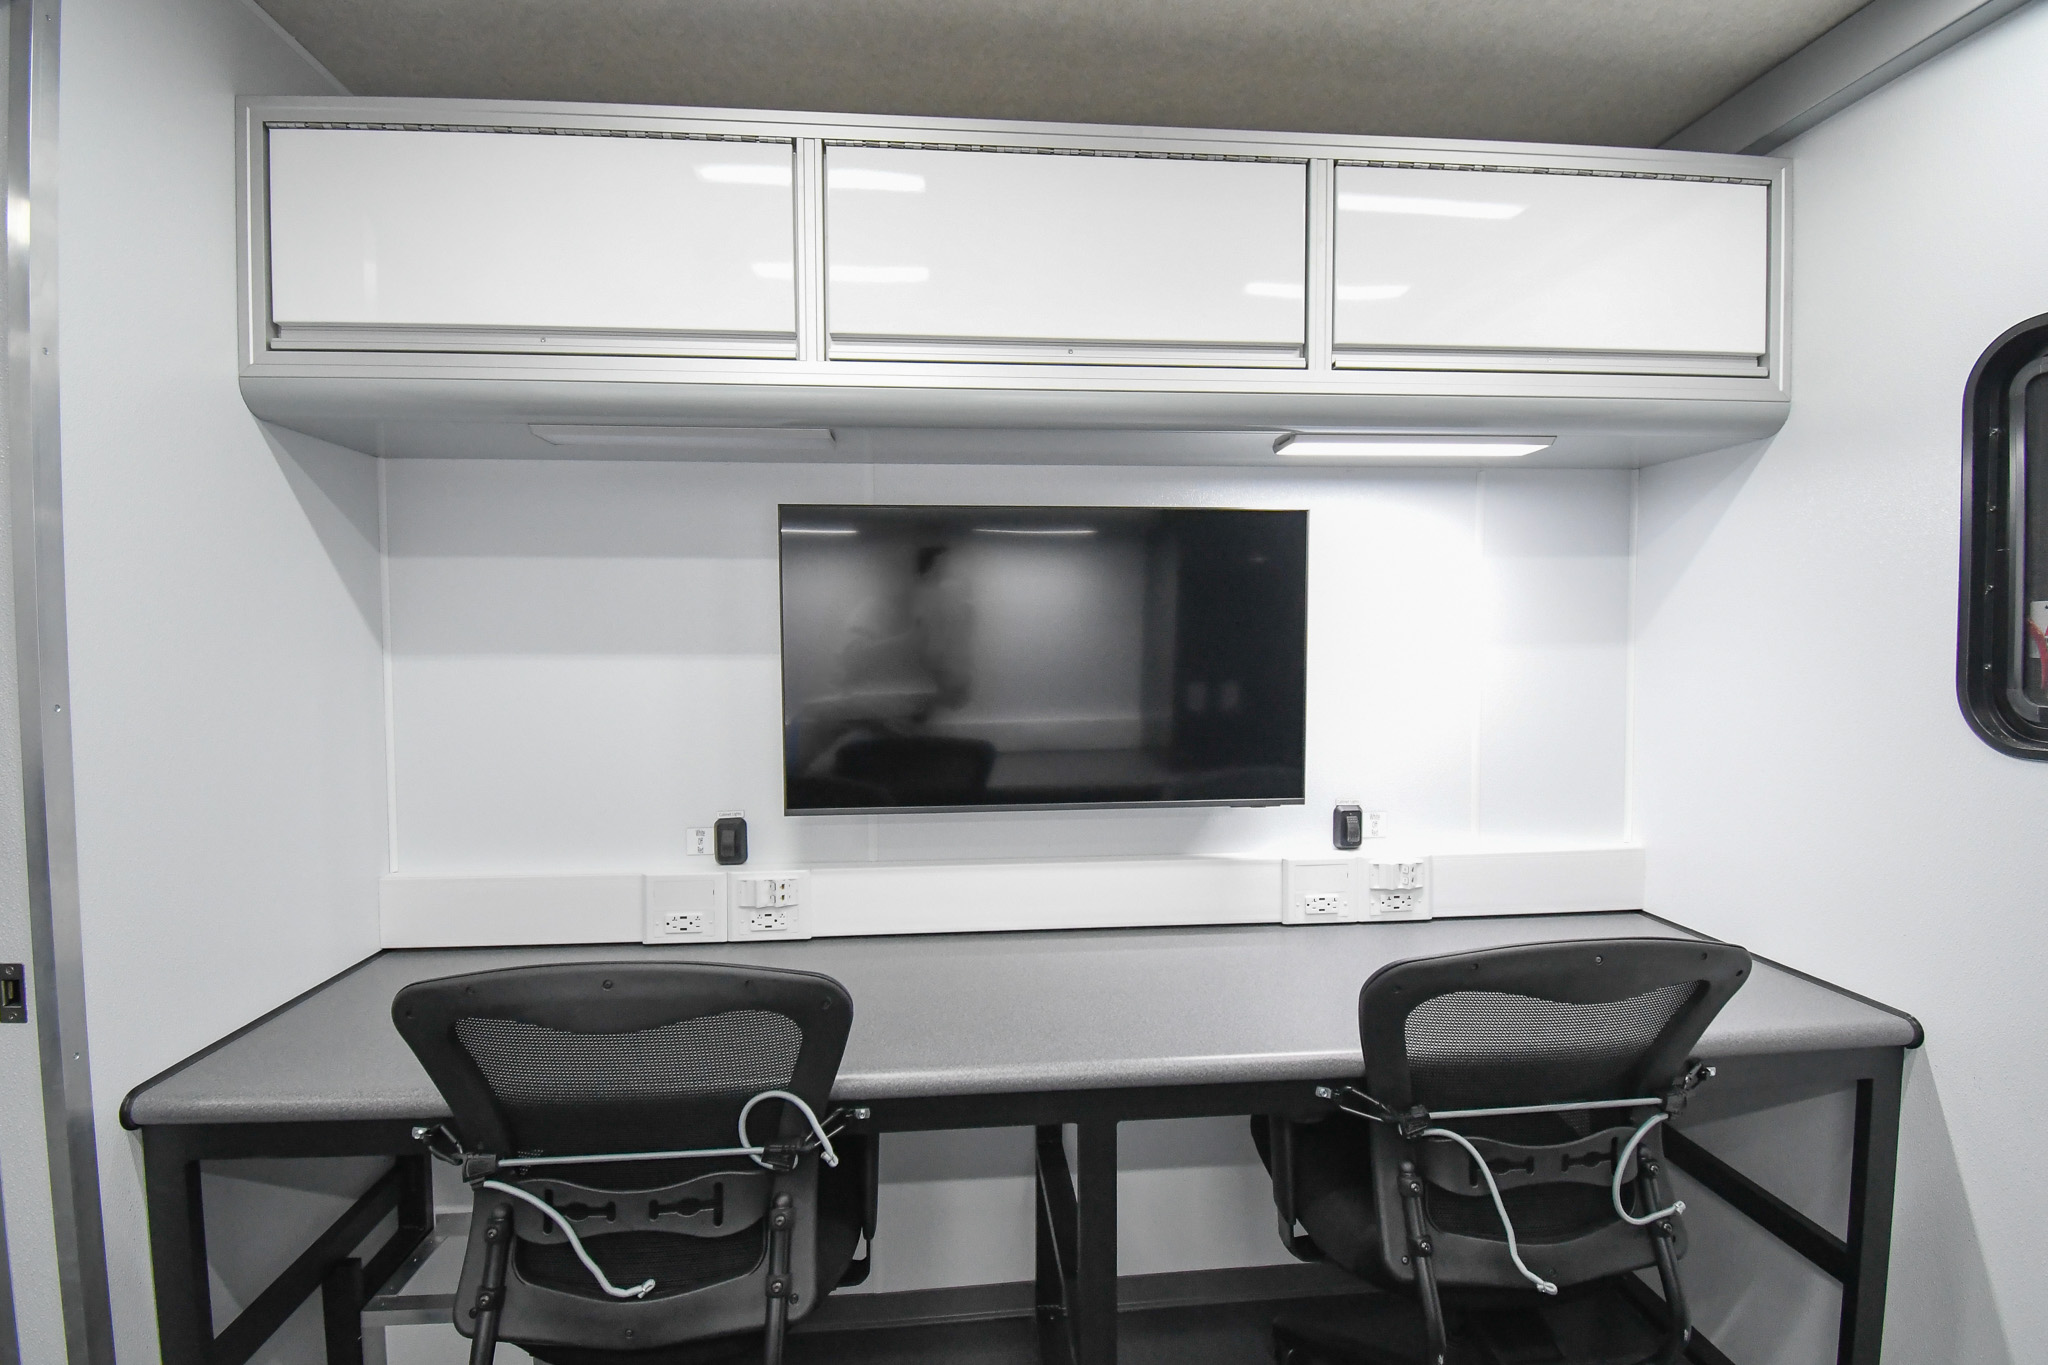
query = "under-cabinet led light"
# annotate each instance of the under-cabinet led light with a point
(1394, 446)
(1427, 208)
(1034, 530)
(821, 530)
(688, 438)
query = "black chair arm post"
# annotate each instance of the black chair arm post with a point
(490, 1298)
(781, 1227)
(1424, 1254)
(871, 1193)
(1663, 1242)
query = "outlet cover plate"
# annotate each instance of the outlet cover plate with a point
(685, 908)
(1319, 891)
(771, 906)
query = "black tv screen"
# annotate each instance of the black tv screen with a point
(1002, 658)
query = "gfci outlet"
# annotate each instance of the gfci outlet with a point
(769, 905)
(685, 909)
(1397, 890)
(1319, 891)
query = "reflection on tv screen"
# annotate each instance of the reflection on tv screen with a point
(963, 657)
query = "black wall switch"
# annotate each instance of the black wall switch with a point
(13, 994)
(1347, 827)
(729, 840)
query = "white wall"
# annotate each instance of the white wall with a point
(223, 595)
(584, 661)
(1807, 784)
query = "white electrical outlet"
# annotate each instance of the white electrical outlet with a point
(689, 908)
(697, 842)
(770, 905)
(1397, 890)
(1318, 891)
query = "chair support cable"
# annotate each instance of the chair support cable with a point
(575, 1242)
(1621, 1164)
(1543, 1286)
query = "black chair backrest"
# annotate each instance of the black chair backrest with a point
(596, 1058)
(1542, 1023)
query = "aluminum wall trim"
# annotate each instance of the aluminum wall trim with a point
(1864, 53)
(10, 1336)
(57, 967)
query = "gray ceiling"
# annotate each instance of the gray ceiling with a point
(1619, 72)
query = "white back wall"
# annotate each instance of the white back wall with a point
(223, 613)
(584, 661)
(1808, 785)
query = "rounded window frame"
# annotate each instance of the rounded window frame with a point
(1996, 465)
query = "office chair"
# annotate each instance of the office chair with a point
(656, 1177)
(1502, 1158)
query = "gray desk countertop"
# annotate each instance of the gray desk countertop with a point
(962, 1014)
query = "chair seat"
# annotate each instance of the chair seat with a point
(840, 1197)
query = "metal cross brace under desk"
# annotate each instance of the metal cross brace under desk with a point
(1091, 1028)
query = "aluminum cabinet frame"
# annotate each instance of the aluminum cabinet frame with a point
(1076, 1215)
(421, 402)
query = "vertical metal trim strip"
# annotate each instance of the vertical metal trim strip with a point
(1321, 281)
(10, 1336)
(57, 968)
(813, 335)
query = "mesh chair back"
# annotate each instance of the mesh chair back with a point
(613, 1057)
(1542, 1023)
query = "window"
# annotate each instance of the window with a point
(2002, 646)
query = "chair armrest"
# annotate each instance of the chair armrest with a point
(1281, 1134)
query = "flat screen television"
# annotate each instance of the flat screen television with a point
(1015, 658)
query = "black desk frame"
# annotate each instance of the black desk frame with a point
(1076, 1235)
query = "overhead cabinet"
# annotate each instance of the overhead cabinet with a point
(606, 278)
(529, 240)
(1082, 258)
(1546, 269)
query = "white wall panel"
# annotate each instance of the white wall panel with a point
(1497, 260)
(584, 662)
(1010, 246)
(398, 228)
(223, 604)
(1553, 675)
(1801, 750)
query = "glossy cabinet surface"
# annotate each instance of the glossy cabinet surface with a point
(971, 254)
(1449, 267)
(384, 238)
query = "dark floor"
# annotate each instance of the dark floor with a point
(1223, 1334)
(1598, 1328)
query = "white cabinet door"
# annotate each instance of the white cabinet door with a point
(389, 238)
(1454, 268)
(1032, 256)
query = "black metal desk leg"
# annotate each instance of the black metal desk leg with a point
(1095, 1268)
(1055, 1243)
(1873, 1169)
(177, 1248)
